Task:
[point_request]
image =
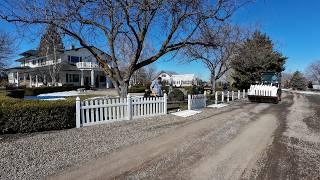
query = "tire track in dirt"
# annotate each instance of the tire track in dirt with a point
(134, 161)
(295, 151)
(241, 153)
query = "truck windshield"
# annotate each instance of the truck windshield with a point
(268, 78)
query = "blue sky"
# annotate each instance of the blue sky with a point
(293, 25)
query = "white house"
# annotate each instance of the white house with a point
(178, 80)
(75, 66)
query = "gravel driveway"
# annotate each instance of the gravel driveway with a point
(37, 155)
(241, 141)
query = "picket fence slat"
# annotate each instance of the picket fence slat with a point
(96, 110)
(91, 112)
(109, 110)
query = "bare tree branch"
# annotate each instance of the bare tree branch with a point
(126, 27)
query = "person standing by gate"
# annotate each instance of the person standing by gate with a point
(155, 87)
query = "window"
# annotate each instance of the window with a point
(75, 77)
(72, 78)
(67, 77)
(74, 59)
(34, 62)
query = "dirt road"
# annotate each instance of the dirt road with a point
(251, 141)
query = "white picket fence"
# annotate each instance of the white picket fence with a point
(103, 110)
(225, 96)
(199, 101)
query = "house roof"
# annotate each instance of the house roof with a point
(26, 69)
(183, 77)
(170, 73)
(17, 69)
(31, 54)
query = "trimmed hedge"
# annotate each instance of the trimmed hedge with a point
(25, 116)
(137, 89)
(142, 89)
(41, 90)
(194, 89)
(176, 95)
(17, 93)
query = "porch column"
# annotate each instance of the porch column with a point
(17, 78)
(30, 80)
(24, 79)
(37, 81)
(107, 83)
(81, 78)
(92, 78)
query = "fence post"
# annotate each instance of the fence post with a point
(189, 102)
(222, 96)
(78, 112)
(205, 98)
(238, 94)
(228, 96)
(216, 97)
(165, 99)
(129, 106)
(244, 93)
(232, 95)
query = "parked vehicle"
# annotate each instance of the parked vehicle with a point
(268, 90)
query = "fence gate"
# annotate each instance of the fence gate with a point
(104, 110)
(197, 101)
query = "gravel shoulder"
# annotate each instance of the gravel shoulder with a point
(37, 155)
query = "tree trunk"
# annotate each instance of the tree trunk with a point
(124, 89)
(213, 83)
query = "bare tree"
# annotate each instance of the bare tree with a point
(55, 67)
(50, 48)
(151, 72)
(124, 27)
(285, 79)
(226, 40)
(6, 49)
(313, 71)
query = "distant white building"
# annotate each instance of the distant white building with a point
(178, 80)
(315, 85)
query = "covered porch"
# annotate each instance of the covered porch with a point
(67, 75)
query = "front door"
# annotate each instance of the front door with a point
(86, 81)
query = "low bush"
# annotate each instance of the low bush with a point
(25, 116)
(137, 89)
(176, 95)
(147, 94)
(16, 93)
(165, 89)
(52, 89)
(143, 88)
(194, 89)
(191, 90)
